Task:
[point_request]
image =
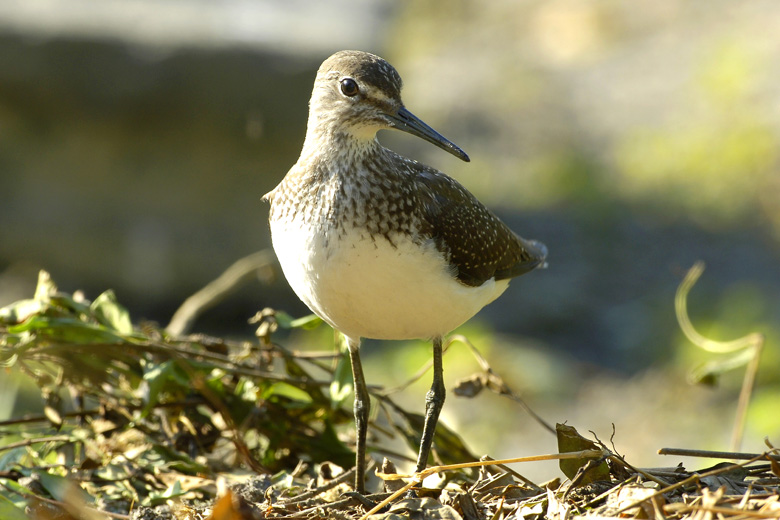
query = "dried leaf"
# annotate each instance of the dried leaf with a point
(419, 508)
(775, 466)
(388, 468)
(556, 509)
(469, 386)
(634, 494)
(225, 509)
(569, 440)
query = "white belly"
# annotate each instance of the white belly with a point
(372, 289)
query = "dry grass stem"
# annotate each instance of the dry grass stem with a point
(752, 343)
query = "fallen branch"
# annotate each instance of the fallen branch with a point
(685, 452)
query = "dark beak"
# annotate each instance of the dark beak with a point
(410, 123)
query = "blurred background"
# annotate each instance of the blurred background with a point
(137, 138)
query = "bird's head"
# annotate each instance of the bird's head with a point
(356, 94)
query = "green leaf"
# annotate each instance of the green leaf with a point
(19, 311)
(341, 386)
(160, 458)
(166, 377)
(63, 489)
(310, 322)
(68, 303)
(286, 321)
(110, 313)
(283, 319)
(45, 288)
(113, 472)
(287, 390)
(9, 510)
(68, 330)
(34, 323)
(157, 497)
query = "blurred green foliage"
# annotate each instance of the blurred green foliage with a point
(135, 416)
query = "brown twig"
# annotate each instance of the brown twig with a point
(725, 511)
(685, 452)
(303, 497)
(514, 473)
(38, 440)
(693, 478)
(619, 460)
(98, 411)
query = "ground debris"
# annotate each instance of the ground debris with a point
(198, 428)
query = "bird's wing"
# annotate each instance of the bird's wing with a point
(478, 245)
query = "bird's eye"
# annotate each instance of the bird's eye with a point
(349, 87)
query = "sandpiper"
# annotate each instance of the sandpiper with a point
(381, 246)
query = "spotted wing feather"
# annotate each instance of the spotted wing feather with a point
(478, 244)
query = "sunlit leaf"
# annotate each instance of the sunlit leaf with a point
(310, 322)
(19, 311)
(67, 330)
(45, 288)
(52, 415)
(286, 321)
(341, 385)
(289, 391)
(160, 497)
(110, 313)
(9, 510)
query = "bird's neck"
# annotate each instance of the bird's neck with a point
(328, 146)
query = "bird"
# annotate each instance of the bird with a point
(381, 246)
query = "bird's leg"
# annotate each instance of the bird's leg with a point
(434, 400)
(362, 408)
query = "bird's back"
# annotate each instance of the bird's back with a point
(477, 244)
